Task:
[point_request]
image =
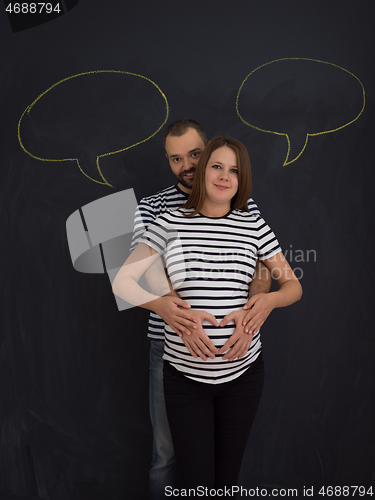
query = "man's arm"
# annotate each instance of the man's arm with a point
(162, 299)
(188, 325)
(261, 283)
(262, 280)
(170, 310)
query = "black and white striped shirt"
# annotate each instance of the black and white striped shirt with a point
(210, 263)
(147, 211)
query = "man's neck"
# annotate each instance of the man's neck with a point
(184, 189)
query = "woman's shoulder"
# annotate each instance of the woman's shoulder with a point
(174, 215)
(245, 216)
(180, 213)
(247, 220)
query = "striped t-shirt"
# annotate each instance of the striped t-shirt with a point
(147, 211)
(210, 263)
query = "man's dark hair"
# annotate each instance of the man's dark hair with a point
(180, 127)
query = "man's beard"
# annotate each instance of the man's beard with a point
(187, 183)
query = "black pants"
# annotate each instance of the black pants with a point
(210, 425)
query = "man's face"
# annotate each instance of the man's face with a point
(183, 153)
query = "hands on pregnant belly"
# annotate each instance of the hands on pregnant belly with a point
(200, 345)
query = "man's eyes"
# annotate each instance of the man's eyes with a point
(194, 155)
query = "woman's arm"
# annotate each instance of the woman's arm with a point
(261, 305)
(125, 284)
(290, 291)
(166, 304)
(162, 300)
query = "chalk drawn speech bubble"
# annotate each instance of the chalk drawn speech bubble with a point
(92, 115)
(299, 98)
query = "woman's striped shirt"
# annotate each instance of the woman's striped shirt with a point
(148, 210)
(210, 263)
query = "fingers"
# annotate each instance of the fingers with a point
(197, 348)
(185, 317)
(232, 355)
(232, 340)
(179, 327)
(237, 345)
(184, 322)
(178, 319)
(210, 317)
(206, 345)
(254, 324)
(192, 352)
(257, 315)
(249, 304)
(239, 349)
(227, 319)
(181, 303)
(249, 316)
(179, 332)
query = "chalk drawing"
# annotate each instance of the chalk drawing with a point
(103, 154)
(309, 134)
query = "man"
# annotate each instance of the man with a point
(184, 141)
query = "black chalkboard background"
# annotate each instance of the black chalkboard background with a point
(73, 369)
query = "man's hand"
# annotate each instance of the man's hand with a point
(239, 342)
(198, 343)
(172, 311)
(258, 309)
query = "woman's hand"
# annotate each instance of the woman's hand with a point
(198, 343)
(239, 342)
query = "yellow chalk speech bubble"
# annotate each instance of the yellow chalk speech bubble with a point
(102, 155)
(266, 82)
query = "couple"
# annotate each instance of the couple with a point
(213, 376)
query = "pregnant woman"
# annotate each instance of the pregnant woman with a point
(209, 249)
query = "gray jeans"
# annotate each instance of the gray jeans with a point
(163, 468)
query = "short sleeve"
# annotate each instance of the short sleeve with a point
(157, 234)
(268, 245)
(164, 239)
(144, 216)
(253, 208)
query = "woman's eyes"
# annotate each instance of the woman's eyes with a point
(234, 170)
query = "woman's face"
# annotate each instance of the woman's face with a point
(221, 176)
